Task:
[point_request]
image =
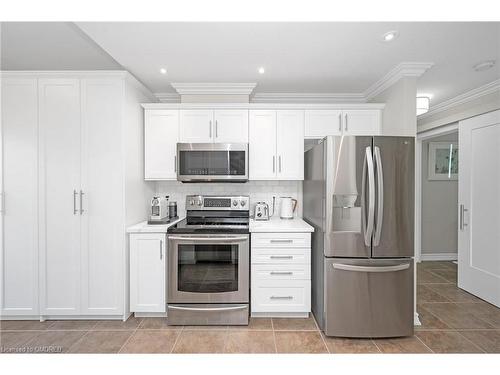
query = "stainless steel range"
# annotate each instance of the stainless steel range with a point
(208, 262)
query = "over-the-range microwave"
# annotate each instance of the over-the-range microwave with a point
(212, 162)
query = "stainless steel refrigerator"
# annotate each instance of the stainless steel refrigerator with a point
(359, 196)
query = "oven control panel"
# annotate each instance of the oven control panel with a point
(211, 202)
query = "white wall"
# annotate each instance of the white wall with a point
(257, 190)
(439, 207)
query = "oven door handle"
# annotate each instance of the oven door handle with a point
(208, 308)
(207, 238)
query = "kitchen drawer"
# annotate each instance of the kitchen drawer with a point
(281, 296)
(280, 256)
(281, 239)
(281, 272)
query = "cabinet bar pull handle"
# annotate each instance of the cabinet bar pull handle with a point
(345, 122)
(175, 163)
(280, 162)
(340, 122)
(74, 202)
(161, 249)
(274, 164)
(281, 273)
(281, 256)
(281, 297)
(281, 241)
(210, 129)
(216, 129)
(81, 202)
(463, 210)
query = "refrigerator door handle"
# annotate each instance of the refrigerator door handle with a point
(367, 220)
(380, 197)
(350, 267)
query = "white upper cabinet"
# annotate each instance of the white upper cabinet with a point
(161, 134)
(196, 126)
(322, 122)
(361, 121)
(262, 145)
(290, 145)
(231, 126)
(276, 145)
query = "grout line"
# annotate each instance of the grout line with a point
(320, 333)
(274, 336)
(128, 339)
(79, 340)
(375, 343)
(418, 338)
(477, 346)
(177, 339)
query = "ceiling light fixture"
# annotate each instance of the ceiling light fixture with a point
(163, 71)
(390, 36)
(262, 70)
(423, 103)
(484, 65)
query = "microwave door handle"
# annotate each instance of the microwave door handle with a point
(380, 197)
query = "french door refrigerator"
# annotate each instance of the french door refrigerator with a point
(359, 197)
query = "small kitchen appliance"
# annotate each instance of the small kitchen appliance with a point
(159, 210)
(209, 262)
(288, 205)
(261, 211)
(172, 209)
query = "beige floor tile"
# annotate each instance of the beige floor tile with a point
(447, 342)
(156, 323)
(343, 345)
(452, 293)
(484, 311)
(294, 324)
(13, 342)
(488, 340)
(429, 320)
(401, 345)
(455, 316)
(151, 341)
(436, 265)
(299, 342)
(23, 325)
(262, 324)
(250, 342)
(55, 341)
(101, 342)
(449, 275)
(105, 325)
(205, 328)
(72, 325)
(426, 294)
(426, 277)
(200, 341)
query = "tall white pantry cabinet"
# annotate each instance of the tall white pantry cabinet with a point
(73, 180)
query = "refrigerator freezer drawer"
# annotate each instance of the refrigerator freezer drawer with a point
(368, 298)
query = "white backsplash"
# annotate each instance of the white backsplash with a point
(257, 190)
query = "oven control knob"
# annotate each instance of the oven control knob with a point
(235, 203)
(243, 203)
(191, 202)
(199, 203)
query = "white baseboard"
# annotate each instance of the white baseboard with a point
(438, 256)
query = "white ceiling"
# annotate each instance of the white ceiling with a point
(298, 57)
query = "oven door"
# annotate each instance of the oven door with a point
(212, 162)
(208, 268)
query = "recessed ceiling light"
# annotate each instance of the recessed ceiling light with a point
(163, 71)
(390, 36)
(484, 65)
(262, 70)
(423, 103)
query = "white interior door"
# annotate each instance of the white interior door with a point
(59, 116)
(479, 207)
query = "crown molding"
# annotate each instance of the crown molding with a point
(308, 98)
(464, 98)
(168, 97)
(404, 69)
(64, 73)
(214, 88)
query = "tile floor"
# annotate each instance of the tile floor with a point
(453, 321)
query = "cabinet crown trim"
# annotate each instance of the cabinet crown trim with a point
(264, 106)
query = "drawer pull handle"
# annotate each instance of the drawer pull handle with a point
(281, 273)
(281, 297)
(281, 241)
(281, 256)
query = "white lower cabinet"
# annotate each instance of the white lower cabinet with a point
(148, 265)
(281, 274)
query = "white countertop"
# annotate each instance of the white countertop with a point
(275, 224)
(143, 227)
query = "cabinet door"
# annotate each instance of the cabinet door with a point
(290, 145)
(161, 134)
(322, 122)
(147, 272)
(19, 268)
(262, 145)
(362, 121)
(59, 121)
(196, 125)
(100, 199)
(231, 126)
